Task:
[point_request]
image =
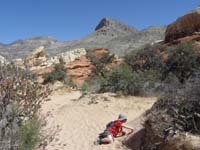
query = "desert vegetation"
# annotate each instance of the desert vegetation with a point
(174, 113)
(58, 74)
(20, 101)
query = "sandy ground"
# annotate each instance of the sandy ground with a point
(78, 122)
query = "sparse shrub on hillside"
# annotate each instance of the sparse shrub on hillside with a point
(58, 74)
(177, 111)
(182, 27)
(144, 59)
(85, 88)
(101, 62)
(121, 79)
(20, 100)
(30, 134)
(183, 60)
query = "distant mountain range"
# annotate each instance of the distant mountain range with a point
(119, 38)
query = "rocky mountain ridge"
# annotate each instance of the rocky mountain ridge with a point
(109, 33)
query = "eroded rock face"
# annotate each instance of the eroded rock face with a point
(79, 70)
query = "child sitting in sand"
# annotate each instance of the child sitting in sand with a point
(113, 130)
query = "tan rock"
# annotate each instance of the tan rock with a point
(68, 56)
(38, 52)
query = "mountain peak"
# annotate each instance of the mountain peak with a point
(107, 22)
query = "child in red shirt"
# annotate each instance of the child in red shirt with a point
(113, 129)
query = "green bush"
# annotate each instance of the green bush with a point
(30, 134)
(85, 88)
(58, 74)
(121, 79)
(144, 59)
(100, 62)
(183, 61)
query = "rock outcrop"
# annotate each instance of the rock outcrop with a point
(112, 24)
(68, 56)
(36, 59)
(79, 70)
(183, 26)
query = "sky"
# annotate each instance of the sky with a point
(73, 19)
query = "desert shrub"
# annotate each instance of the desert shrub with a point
(20, 100)
(183, 26)
(101, 62)
(177, 111)
(121, 79)
(182, 61)
(85, 88)
(147, 58)
(30, 133)
(58, 74)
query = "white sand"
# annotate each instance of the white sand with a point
(80, 121)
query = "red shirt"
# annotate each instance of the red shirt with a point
(115, 128)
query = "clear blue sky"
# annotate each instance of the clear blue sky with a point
(72, 19)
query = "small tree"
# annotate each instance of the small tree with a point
(144, 59)
(20, 100)
(100, 62)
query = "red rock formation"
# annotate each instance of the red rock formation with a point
(79, 70)
(183, 26)
(99, 51)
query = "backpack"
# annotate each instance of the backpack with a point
(110, 124)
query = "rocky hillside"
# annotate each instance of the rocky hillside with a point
(109, 33)
(22, 48)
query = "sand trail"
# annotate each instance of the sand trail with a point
(79, 121)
